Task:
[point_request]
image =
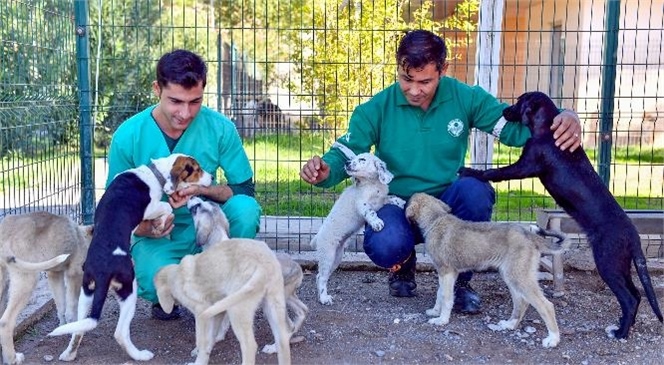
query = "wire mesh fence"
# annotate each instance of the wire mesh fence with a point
(39, 139)
(289, 73)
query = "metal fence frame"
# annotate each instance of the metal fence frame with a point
(240, 92)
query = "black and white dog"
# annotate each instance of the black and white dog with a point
(575, 186)
(133, 195)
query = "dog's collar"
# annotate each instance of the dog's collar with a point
(157, 174)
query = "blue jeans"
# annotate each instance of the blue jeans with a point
(469, 198)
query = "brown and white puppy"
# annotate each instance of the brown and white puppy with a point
(356, 206)
(132, 196)
(212, 228)
(456, 246)
(35, 242)
(575, 186)
(232, 279)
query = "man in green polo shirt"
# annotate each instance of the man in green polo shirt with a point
(420, 127)
(180, 124)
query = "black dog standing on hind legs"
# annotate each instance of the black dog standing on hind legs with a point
(575, 186)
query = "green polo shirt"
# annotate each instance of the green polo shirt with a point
(211, 139)
(422, 149)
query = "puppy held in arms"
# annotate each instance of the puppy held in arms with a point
(575, 186)
(133, 195)
(356, 206)
(455, 246)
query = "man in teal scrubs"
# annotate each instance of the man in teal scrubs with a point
(420, 127)
(179, 123)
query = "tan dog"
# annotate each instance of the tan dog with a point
(212, 228)
(35, 242)
(232, 279)
(456, 246)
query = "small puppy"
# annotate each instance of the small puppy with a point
(35, 242)
(456, 246)
(356, 205)
(575, 186)
(132, 196)
(233, 279)
(212, 228)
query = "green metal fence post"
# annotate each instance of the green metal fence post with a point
(610, 59)
(86, 125)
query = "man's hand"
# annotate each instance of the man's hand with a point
(566, 129)
(151, 228)
(315, 170)
(181, 197)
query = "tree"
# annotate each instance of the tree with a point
(348, 54)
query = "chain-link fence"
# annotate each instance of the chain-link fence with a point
(289, 73)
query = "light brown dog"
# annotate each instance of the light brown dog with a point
(35, 242)
(456, 246)
(212, 228)
(233, 279)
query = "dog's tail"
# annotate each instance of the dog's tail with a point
(81, 326)
(561, 244)
(90, 322)
(37, 266)
(249, 289)
(644, 277)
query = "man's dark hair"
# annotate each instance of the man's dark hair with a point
(419, 48)
(181, 67)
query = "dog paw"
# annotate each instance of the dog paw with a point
(325, 299)
(508, 324)
(67, 356)
(433, 312)
(377, 224)
(551, 341)
(395, 200)
(18, 359)
(270, 349)
(468, 172)
(439, 321)
(143, 355)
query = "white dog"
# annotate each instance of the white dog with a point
(26, 243)
(212, 228)
(356, 205)
(132, 196)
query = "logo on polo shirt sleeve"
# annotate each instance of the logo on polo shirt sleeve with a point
(455, 127)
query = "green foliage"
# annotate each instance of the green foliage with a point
(343, 60)
(132, 36)
(38, 76)
(259, 30)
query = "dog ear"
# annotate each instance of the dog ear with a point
(384, 176)
(202, 234)
(445, 206)
(183, 167)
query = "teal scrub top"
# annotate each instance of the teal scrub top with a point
(211, 139)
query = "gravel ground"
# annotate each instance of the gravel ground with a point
(365, 325)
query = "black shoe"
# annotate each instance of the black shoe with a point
(402, 282)
(466, 300)
(158, 313)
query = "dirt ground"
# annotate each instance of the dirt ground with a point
(365, 325)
